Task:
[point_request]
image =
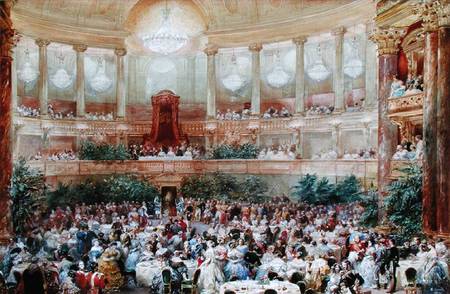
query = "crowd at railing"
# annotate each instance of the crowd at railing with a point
(362, 154)
(409, 151)
(413, 85)
(66, 154)
(283, 152)
(320, 110)
(28, 111)
(182, 152)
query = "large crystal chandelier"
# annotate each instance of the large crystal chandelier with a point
(278, 78)
(318, 71)
(167, 39)
(27, 74)
(61, 79)
(233, 81)
(354, 66)
(101, 82)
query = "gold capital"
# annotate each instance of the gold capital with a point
(427, 12)
(340, 31)
(80, 47)
(255, 47)
(388, 39)
(211, 50)
(442, 7)
(120, 51)
(300, 40)
(42, 42)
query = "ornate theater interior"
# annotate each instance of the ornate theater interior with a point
(224, 146)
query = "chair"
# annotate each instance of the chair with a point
(302, 286)
(190, 286)
(167, 280)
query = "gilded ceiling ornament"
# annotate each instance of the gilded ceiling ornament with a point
(443, 10)
(388, 39)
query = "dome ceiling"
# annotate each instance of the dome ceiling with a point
(220, 14)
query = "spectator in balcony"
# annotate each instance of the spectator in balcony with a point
(397, 87)
(419, 147)
(285, 112)
(400, 154)
(228, 115)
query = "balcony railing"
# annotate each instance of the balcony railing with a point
(406, 104)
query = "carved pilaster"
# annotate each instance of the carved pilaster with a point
(256, 78)
(338, 74)
(79, 87)
(300, 73)
(120, 83)
(43, 75)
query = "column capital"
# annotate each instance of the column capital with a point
(388, 39)
(120, 51)
(42, 42)
(442, 7)
(428, 14)
(300, 40)
(340, 31)
(211, 50)
(80, 47)
(255, 47)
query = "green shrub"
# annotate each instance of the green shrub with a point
(245, 151)
(103, 151)
(312, 190)
(369, 218)
(404, 202)
(117, 188)
(27, 190)
(224, 187)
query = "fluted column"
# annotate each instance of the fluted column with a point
(300, 74)
(256, 78)
(79, 86)
(388, 40)
(338, 72)
(430, 165)
(211, 52)
(121, 97)
(43, 75)
(443, 117)
(370, 70)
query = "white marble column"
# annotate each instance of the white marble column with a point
(371, 80)
(256, 78)
(79, 86)
(14, 98)
(338, 72)
(43, 76)
(336, 138)
(211, 52)
(191, 82)
(121, 94)
(300, 74)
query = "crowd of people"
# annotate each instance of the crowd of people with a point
(413, 85)
(233, 115)
(59, 115)
(273, 112)
(320, 110)
(182, 152)
(204, 244)
(332, 154)
(409, 151)
(66, 154)
(99, 116)
(28, 111)
(283, 152)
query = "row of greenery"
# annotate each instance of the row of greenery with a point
(103, 151)
(244, 151)
(225, 187)
(312, 190)
(403, 204)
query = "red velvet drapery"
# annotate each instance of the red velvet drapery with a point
(166, 130)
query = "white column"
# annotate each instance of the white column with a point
(338, 73)
(79, 86)
(43, 75)
(191, 82)
(300, 74)
(14, 98)
(120, 83)
(371, 80)
(336, 138)
(211, 52)
(256, 78)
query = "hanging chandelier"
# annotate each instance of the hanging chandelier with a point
(101, 82)
(353, 67)
(27, 74)
(233, 81)
(278, 78)
(61, 79)
(318, 71)
(167, 39)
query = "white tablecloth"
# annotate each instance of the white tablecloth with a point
(403, 266)
(254, 287)
(146, 271)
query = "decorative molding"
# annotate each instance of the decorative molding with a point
(300, 40)
(428, 14)
(405, 103)
(120, 51)
(388, 40)
(442, 8)
(340, 31)
(42, 42)
(211, 50)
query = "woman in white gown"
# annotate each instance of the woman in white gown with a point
(211, 276)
